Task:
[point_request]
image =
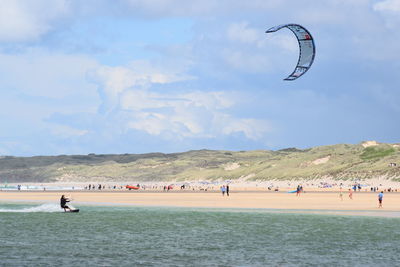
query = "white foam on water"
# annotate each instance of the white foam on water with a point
(47, 207)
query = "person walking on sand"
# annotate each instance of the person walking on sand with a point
(227, 190)
(223, 189)
(350, 194)
(380, 199)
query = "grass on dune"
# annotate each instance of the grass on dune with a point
(341, 161)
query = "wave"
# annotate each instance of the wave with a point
(47, 207)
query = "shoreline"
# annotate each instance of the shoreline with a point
(320, 202)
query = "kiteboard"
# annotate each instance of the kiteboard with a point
(74, 210)
(294, 191)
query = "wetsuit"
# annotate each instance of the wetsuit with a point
(63, 202)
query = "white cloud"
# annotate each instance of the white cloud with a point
(25, 20)
(120, 86)
(210, 100)
(268, 53)
(186, 115)
(247, 61)
(114, 81)
(284, 40)
(152, 123)
(191, 119)
(198, 7)
(252, 128)
(388, 5)
(169, 115)
(136, 99)
(241, 32)
(390, 12)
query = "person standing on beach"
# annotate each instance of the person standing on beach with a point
(380, 199)
(227, 190)
(223, 189)
(341, 194)
(350, 194)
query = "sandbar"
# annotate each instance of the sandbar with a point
(317, 201)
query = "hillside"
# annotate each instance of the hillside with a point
(343, 161)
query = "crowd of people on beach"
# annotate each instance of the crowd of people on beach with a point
(165, 188)
(100, 187)
(158, 187)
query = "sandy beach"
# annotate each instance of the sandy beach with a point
(362, 201)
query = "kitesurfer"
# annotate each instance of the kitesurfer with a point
(63, 203)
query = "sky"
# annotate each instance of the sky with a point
(139, 76)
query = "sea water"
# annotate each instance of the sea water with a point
(42, 235)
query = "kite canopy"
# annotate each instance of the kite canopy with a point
(306, 46)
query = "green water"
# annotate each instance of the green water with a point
(40, 235)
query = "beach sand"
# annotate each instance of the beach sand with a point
(362, 201)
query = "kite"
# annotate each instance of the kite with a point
(306, 49)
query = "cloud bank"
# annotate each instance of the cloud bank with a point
(169, 75)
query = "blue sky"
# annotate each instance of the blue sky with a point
(137, 76)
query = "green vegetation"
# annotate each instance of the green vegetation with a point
(341, 161)
(376, 152)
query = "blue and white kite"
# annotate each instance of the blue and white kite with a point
(306, 49)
